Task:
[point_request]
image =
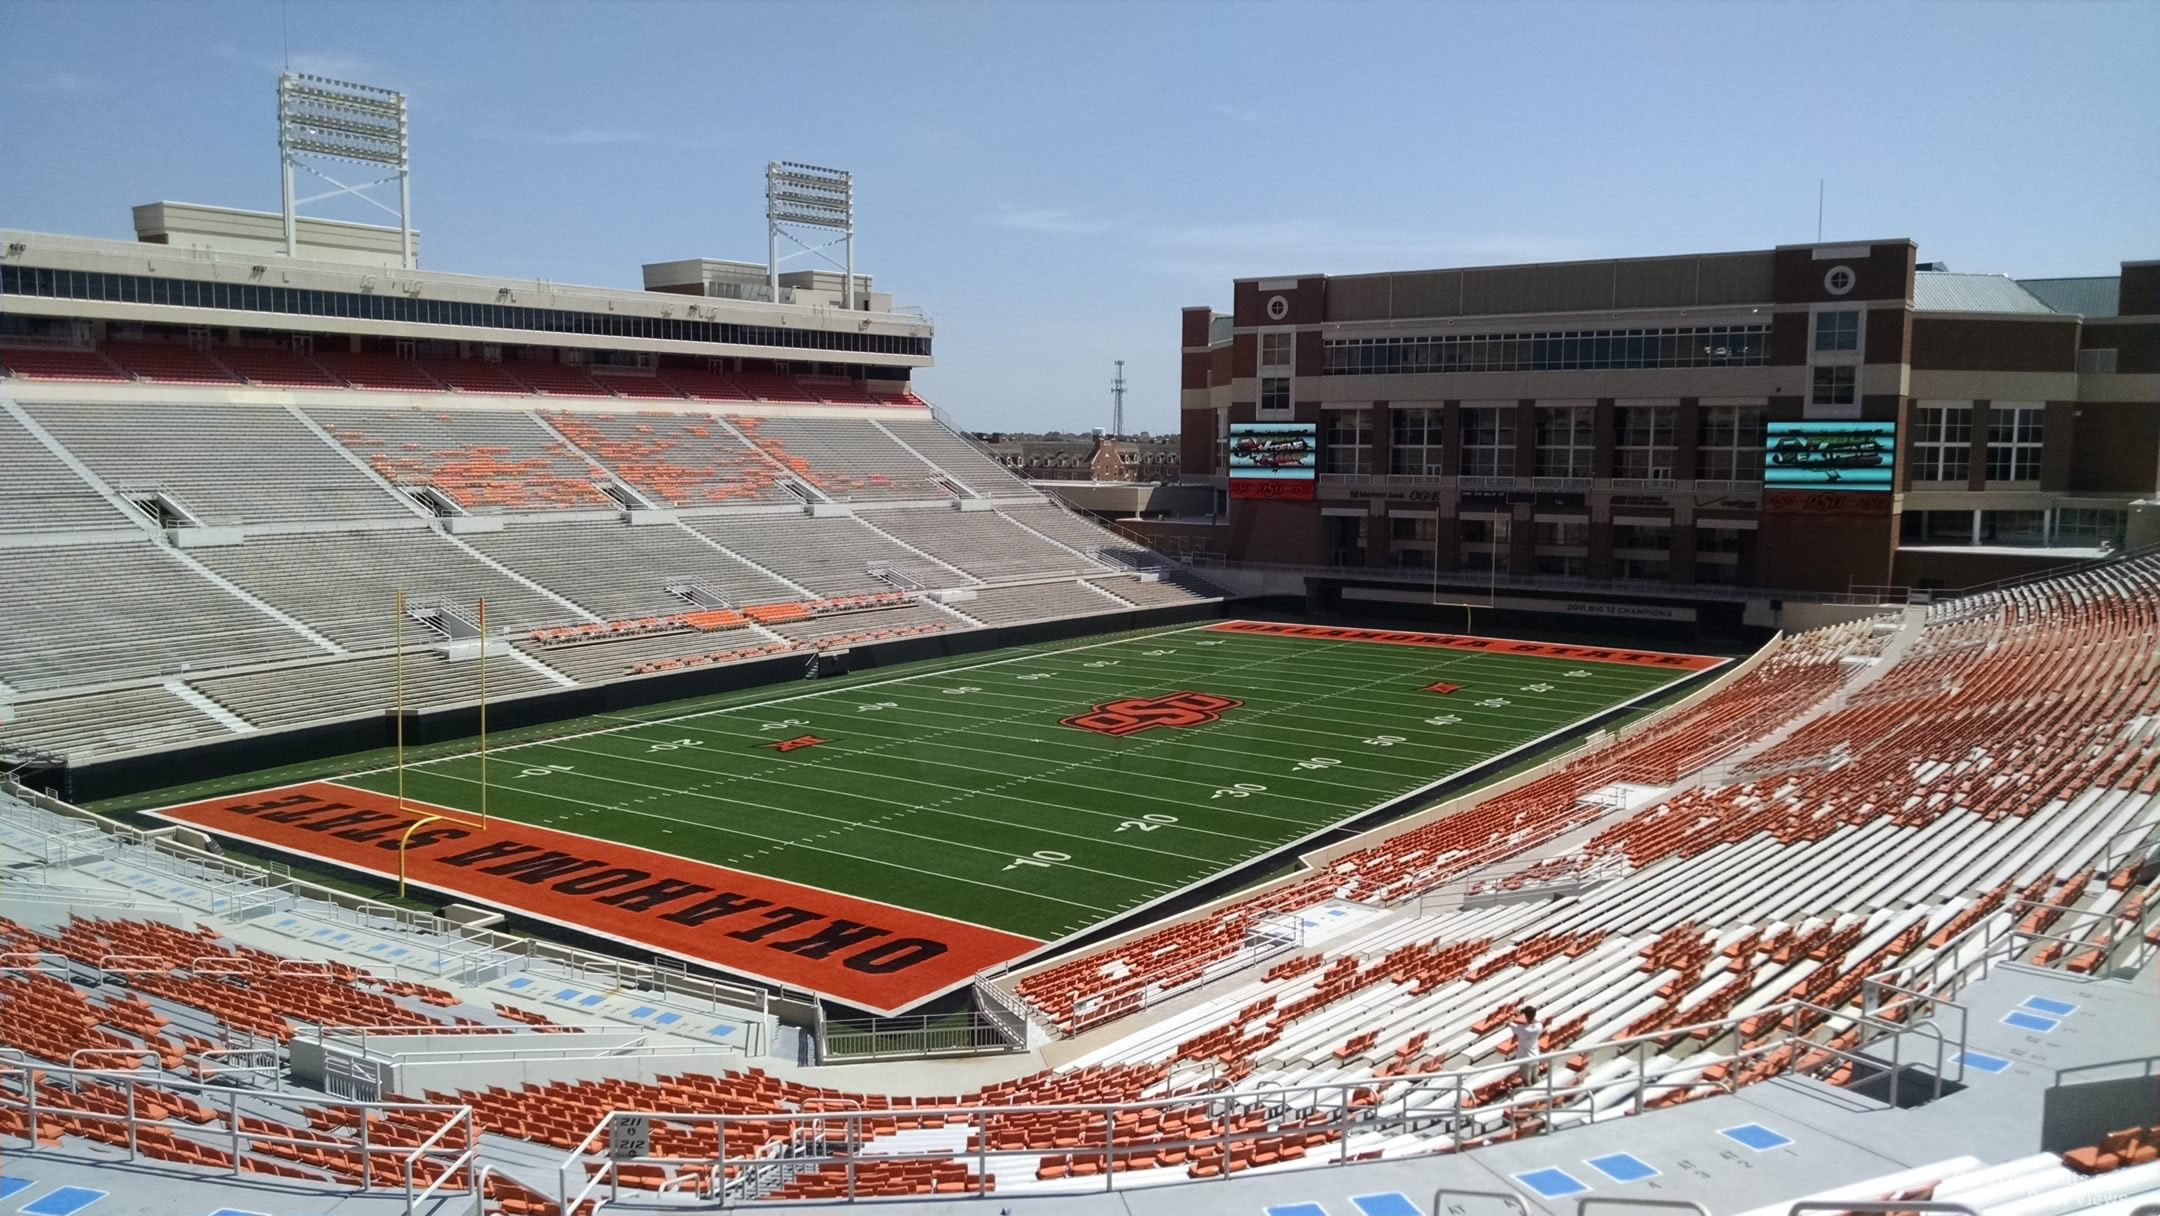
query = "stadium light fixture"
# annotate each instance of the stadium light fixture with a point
(322, 120)
(799, 196)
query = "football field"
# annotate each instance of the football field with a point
(881, 840)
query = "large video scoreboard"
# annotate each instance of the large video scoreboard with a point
(1849, 456)
(1273, 459)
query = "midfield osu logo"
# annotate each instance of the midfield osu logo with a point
(1134, 714)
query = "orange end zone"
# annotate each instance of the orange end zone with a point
(1449, 641)
(867, 954)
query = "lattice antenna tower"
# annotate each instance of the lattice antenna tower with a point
(324, 122)
(805, 198)
(1117, 402)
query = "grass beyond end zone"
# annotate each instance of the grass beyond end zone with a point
(1017, 793)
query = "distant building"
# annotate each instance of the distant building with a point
(1632, 424)
(1058, 456)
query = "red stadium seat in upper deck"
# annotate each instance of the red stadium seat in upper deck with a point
(40, 363)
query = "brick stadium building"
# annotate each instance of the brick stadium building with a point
(1601, 424)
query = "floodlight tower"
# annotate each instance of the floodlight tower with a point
(336, 120)
(1117, 401)
(799, 196)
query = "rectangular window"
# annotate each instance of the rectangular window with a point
(1942, 442)
(1274, 350)
(1275, 395)
(1488, 441)
(1729, 443)
(2087, 527)
(1563, 534)
(1564, 442)
(1656, 539)
(1643, 441)
(1834, 386)
(1414, 442)
(1557, 350)
(1718, 540)
(1346, 441)
(2013, 451)
(1412, 528)
(1837, 331)
(1557, 565)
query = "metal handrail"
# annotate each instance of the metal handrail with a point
(1337, 1106)
(2147, 1066)
(1611, 586)
(19, 1089)
(1886, 1207)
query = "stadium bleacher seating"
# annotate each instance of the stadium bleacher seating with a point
(352, 688)
(44, 495)
(1033, 601)
(831, 556)
(683, 460)
(348, 589)
(983, 543)
(168, 362)
(226, 464)
(619, 571)
(276, 367)
(121, 720)
(770, 386)
(56, 363)
(155, 617)
(960, 458)
(1859, 803)
(701, 384)
(487, 461)
(378, 372)
(1171, 587)
(846, 458)
(288, 579)
(474, 376)
(636, 385)
(552, 379)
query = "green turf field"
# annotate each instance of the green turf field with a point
(963, 792)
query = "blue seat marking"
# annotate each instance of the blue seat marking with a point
(1387, 1203)
(2060, 1009)
(1622, 1167)
(63, 1201)
(1296, 1209)
(1551, 1182)
(2030, 1021)
(1755, 1136)
(1981, 1060)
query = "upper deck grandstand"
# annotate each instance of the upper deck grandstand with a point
(481, 744)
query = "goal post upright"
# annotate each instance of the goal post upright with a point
(482, 602)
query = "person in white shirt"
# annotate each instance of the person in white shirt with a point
(1527, 1032)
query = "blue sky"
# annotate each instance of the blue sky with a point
(1052, 181)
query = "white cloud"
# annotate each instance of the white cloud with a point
(1054, 221)
(1236, 113)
